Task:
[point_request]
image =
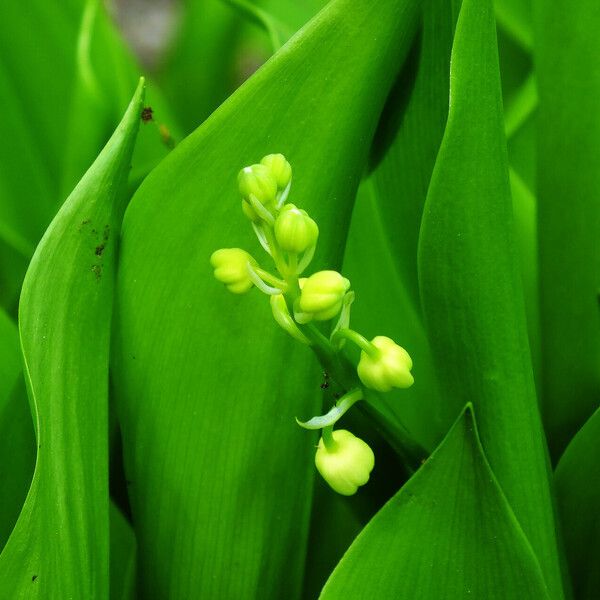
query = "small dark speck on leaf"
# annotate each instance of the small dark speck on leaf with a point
(147, 113)
(106, 233)
(34, 577)
(100, 249)
(97, 270)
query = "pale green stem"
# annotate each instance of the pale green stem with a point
(362, 342)
(327, 436)
(269, 278)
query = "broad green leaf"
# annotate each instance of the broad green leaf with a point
(448, 533)
(59, 547)
(390, 208)
(568, 215)
(471, 290)
(207, 386)
(369, 263)
(577, 480)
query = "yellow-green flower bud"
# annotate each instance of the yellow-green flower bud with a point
(322, 296)
(257, 180)
(231, 268)
(280, 169)
(386, 369)
(347, 465)
(295, 231)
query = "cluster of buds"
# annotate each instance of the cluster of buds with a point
(289, 236)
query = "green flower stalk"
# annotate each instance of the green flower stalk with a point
(289, 236)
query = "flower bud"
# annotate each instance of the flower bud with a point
(280, 169)
(295, 231)
(231, 268)
(388, 368)
(322, 296)
(257, 180)
(347, 465)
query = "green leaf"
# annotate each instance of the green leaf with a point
(578, 492)
(59, 547)
(420, 407)
(86, 75)
(448, 533)
(471, 290)
(207, 36)
(390, 206)
(568, 170)
(207, 385)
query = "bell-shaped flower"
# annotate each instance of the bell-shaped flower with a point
(231, 268)
(346, 464)
(321, 296)
(387, 367)
(295, 231)
(280, 169)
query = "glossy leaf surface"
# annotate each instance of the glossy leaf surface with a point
(448, 533)
(568, 213)
(59, 547)
(471, 290)
(207, 385)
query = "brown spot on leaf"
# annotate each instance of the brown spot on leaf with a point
(147, 114)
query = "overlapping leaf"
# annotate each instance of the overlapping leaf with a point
(471, 290)
(59, 547)
(569, 219)
(448, 533)
(221, 476)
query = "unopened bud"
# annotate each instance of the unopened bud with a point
(347, 465)
(387, 368)
(295, 231)
(257, 181)
(322, 296)
(231, 268)
(280, 169)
